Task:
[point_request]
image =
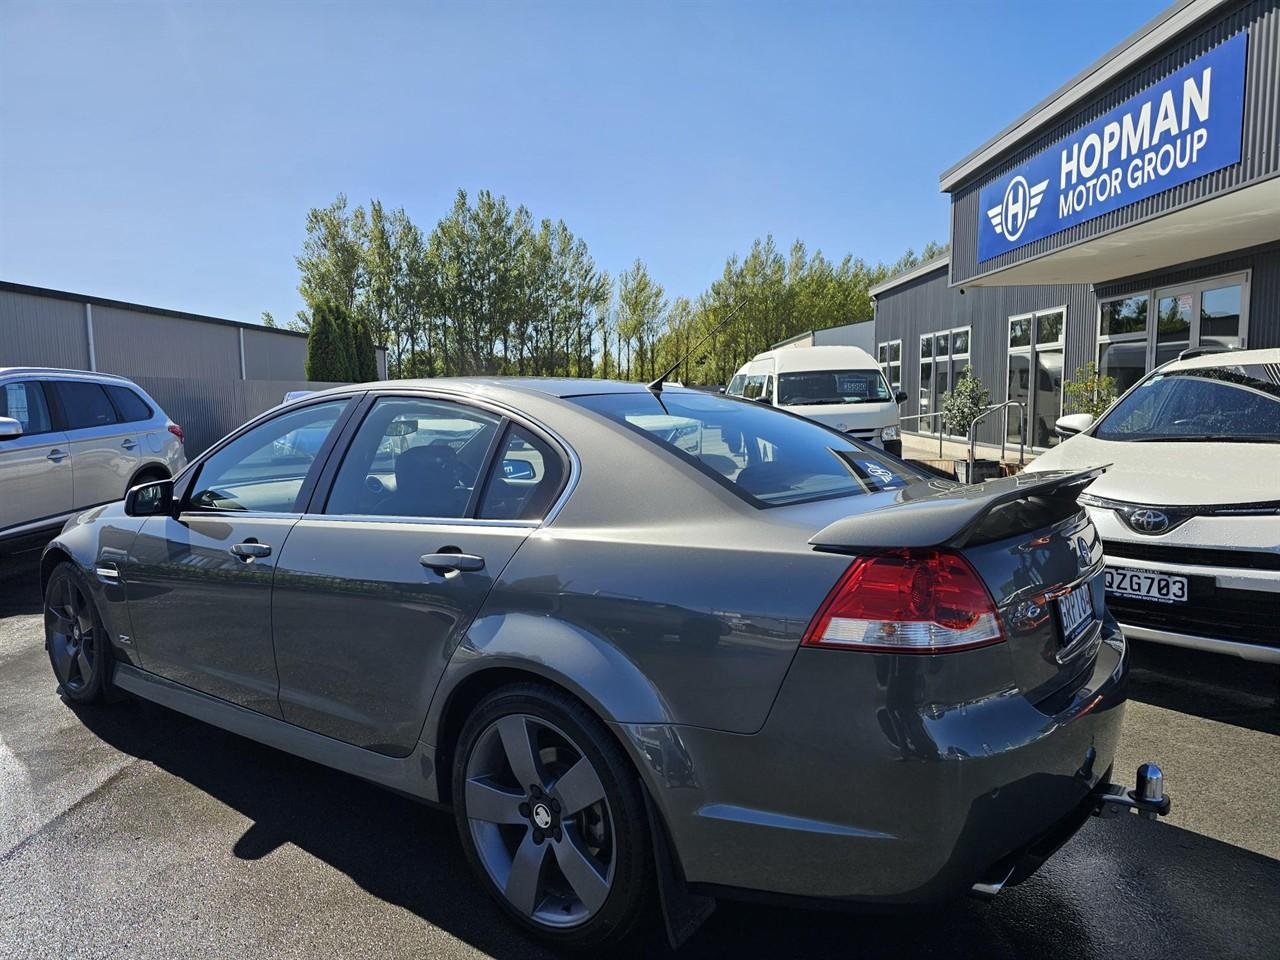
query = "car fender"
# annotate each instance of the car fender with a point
(588, 666)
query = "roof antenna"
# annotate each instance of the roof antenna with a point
(656, 385)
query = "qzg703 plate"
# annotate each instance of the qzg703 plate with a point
(1146, 585)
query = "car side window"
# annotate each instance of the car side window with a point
(263, 470)
(131, 407)
(525, 478)
(413, 457)
(83, 404)
(25, 402)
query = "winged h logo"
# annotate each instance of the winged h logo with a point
(1021, 201)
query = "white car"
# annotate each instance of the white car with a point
(70, 440)
(1189, 511)
(841, 387)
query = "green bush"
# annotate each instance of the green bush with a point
(964, 402)
(1090, 391)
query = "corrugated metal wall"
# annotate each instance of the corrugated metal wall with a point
(191, 365)
(1260, 157)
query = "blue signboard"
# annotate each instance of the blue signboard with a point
(1187, 125)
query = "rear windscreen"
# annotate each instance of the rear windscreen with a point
(768, 457)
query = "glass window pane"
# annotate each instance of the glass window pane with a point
(926, 392)
(761, 453)
(895, 351)
(941, 344)
(1128, 315)
(1220, 317)
(263, 470)
(752, 387)
(926, 346)
(1049, 328)
(1126, 361)
(413, 457)
(84, 404)
(884, 354)
(1020, 332)
(525, 479)
(831, 386)
(25, 403)
(1047, 405)
(131, 406)
(1173, 326)
(1019, 389)
(960, 342)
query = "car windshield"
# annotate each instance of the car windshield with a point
(832, 386)
(768, 457)
(1237, 403)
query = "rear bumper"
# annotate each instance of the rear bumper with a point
(883, 779)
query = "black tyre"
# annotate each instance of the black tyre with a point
(552, 817)
(75, 637)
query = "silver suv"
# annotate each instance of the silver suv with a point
(70, 440)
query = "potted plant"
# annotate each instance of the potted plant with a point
(965, 402)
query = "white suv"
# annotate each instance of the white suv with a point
(1189, 511)
(70, 440)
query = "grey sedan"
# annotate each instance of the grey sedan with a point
(638, 640)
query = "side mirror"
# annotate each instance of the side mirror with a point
(149, 499)
(10, 428)
(517, 470)
(900, 397)
(763, 399)
(1072, 424)
(722, 390)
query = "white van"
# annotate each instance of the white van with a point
(842, 387)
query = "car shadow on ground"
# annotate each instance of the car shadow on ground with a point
(1122, 881)
(1209, 685)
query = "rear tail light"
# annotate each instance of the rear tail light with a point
(918, 601)
(177, 432)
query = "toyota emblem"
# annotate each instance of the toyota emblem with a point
(1148, 521)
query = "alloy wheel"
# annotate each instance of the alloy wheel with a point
(540, 820)
(72, 635)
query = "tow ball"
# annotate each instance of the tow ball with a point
(1147, 798)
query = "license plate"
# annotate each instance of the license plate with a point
(1147, 585)
(1075, 609)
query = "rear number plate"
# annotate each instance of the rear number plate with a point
(1147, 585)
(1076, 611)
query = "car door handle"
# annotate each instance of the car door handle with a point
(249, 550)
(129, 445)
(444, 562)
(57, 456)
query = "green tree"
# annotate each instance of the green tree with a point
(268, 320)
(960, 405)
(1090, 390)
(332, 261)
(363, 351)
(326, 350)
(642, 306)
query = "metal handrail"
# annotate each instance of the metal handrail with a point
(925, 416)
(1022, 431)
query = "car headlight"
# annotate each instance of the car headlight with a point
(889, 433)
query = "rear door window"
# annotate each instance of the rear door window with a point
(25, 402)
(765, 456)
(524, 481)
(84, 404)
(131, 407)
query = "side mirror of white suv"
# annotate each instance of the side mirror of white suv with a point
(1072, 424)
(10, 428)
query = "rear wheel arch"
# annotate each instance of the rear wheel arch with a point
(148, 473)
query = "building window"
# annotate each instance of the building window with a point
(890, 355)
(944, 357)
(1034, 374)
(1209, 313)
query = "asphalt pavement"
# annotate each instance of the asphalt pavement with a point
(131, 831)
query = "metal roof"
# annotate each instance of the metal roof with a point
(1152, 35)
(917, 271)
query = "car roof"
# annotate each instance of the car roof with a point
(560, 387)
(1225, 358)
(61, 373)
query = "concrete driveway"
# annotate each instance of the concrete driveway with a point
(130, 831)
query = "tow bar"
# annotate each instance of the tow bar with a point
(1147, 798)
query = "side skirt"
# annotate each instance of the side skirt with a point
(413, 775)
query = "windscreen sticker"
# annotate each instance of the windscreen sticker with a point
(881, 474)
(851, 385)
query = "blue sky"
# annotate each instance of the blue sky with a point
(167, 153)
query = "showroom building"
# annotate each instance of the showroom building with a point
(1131, 215)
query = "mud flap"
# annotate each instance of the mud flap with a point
(682, 912)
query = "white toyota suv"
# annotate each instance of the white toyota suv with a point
(70, 440)
(1189, 512)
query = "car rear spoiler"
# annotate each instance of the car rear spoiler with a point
(938, 513)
